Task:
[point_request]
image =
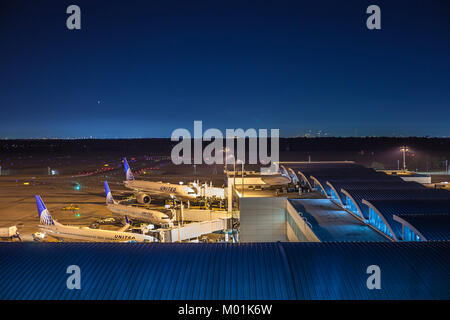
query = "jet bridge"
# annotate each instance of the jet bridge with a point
(199, 215)
(191, 230)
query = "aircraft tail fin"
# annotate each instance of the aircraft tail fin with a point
(128, 174)
(109, 197)
(126, 226)
(44, 215)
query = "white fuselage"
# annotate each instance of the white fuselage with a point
(152, 216)
(162, 190)
(87, 234)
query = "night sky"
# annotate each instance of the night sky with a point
(145, 68)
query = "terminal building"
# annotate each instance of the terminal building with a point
(344, 201)
(313, 230)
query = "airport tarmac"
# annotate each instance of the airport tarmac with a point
(18, 206)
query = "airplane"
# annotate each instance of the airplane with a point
(60, 231)
(148, 215)
(156, 189)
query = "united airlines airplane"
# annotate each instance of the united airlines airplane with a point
(143, 214)
(147, 189)
(59, 231)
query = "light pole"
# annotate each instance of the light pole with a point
(404, 149)
(242, 179)
(225, 158)
(234, 172)
(239, 161)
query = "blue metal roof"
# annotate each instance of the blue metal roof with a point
(322, 165)
(351, 179)
(322, 184)
(389, 208)
(358, 195)
(334, 270)
(327, 170)
(343, 173)
(338, 171)
(412, 206)
(410, 270)
(378, 184)
(427, 226)
(331, 223)
(347, 174)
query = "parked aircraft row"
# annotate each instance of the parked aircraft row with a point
(143, 188)
(142, 214)
(60, 231)
(158, 190)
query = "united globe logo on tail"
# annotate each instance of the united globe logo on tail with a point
(44, 215)
(109, 197)
(128, 174)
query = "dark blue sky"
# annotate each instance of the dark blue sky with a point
(159, 65)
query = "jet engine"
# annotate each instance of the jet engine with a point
(143, 198)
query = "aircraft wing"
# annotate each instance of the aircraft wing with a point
(124, 228)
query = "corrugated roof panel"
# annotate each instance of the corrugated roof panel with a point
(412, 206)
(225, 271)
(131, 271)
(358, 195)
(373, 184)
(431, 226)
(322, 165)
(331, 223)
(389, 208)
(407, 270)
(336, 170)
